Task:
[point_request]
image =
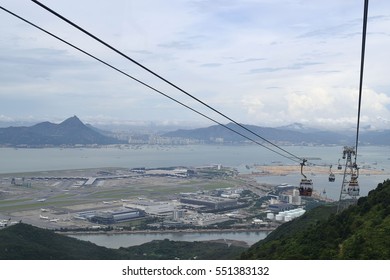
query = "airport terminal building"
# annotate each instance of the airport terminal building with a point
(211, 203)
(116, 216)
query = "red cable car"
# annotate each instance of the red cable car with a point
(306, 185)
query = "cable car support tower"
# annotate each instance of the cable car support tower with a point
(350, 186)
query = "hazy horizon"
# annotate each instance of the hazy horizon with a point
(155, 125)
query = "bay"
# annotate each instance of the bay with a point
(116, 241)
(237, 156)
(28, 160)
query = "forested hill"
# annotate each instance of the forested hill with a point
(69, 132)
(217, 133)
(26, 242)
(359, 232)
(294, 134)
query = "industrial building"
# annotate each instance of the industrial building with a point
(152, 208)
(294, 199)
(286, 216)
(211, 203)
(278, 207)
(116, 216)
(211, 220)
(178, 214)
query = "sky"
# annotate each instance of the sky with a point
(261, 62)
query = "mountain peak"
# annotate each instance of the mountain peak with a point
(72, 121)
(294, 126)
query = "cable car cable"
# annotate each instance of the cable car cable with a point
(159, 76)
(364, 33)
(142, 83)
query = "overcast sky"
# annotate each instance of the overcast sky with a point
(262, 62)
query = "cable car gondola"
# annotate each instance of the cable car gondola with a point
(353, 186)
(339, 167)
(332, 177)
(306, 185)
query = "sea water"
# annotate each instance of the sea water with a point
(24, 160)
(237, 156)
(116, 241)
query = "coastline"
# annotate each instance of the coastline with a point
(115, 232)
(283, 170)
(241, 237)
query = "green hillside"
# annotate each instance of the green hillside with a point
(360, 232)
(168, 250)
(25, 242)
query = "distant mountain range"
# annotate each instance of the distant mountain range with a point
(292, 134)
(73, 132)
(70, 132)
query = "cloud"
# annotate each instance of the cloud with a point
(145, 52)
(36, 62)
(248, 60)
(316, 101)
(211, 65)
(294, 66)
(317, 105)
(262, 62)
(179, 45)
(267, 69)
(342, 30)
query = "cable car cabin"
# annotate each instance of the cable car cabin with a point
(332, 177)
(353, 186)
(339, 167)
(306, 187)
